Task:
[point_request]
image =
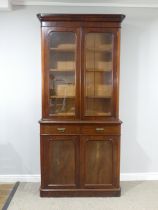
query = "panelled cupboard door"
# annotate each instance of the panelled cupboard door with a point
(61, 67)
(60, 159)
(99, 69)
(100, 161)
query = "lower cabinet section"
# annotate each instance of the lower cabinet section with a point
(60, 157)
(99, 155)
(80, 165)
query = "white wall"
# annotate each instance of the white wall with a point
(139, 95)
(20, 88)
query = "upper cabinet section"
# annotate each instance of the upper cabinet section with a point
(80, 66)
(98, 74)
(62, 73)
(60, 70)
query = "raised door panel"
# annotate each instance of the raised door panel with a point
(100, 161)
(60, 161)
(100, 84)
(61, 73)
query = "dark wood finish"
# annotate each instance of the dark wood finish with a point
(97, 129)
(60, 161)
(45, 72)
(81, 24)
(80, 153)
(100, 161)
(113, 31)
(100, 130)
(88, 19)
(81, 122)
(60, 129)
(115, 192)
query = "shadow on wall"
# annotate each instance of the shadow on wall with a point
(133, 157)
(10, 161)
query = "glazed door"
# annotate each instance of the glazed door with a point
(61, 73)
(99, 69)
(100, 156)
(60, 161)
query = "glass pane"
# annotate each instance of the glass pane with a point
(98, 73)
(62, 69)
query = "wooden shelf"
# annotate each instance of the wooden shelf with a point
(99, 97)
(63, 114)
(63, 49)
(58, 70)
(98, 113)
(98, 70)
(51, 97)
(99, 49)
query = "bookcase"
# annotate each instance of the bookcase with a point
(80, 127)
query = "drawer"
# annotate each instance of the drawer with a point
(59, 129)
(101, 129)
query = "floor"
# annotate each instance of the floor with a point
(5, 190)
(140, 195)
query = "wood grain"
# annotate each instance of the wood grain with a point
(5, 190)
(60, 161)
(80, 153)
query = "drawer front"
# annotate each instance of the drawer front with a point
(101, 129)
(59, 129)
